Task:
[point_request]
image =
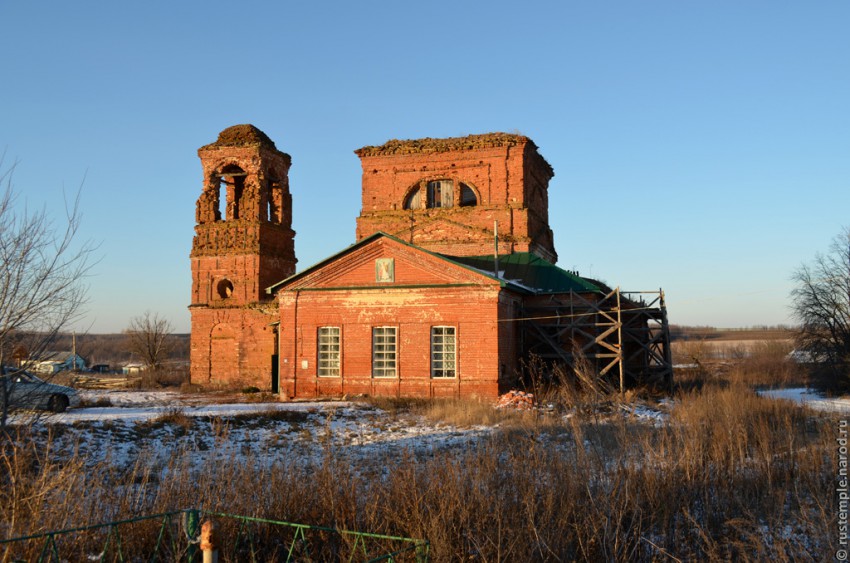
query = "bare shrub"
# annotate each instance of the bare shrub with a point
(188, 387)
(174, 416)
(163, 377)
(148, 338)
(468, 412)
(686, 352)
(97, 402)
(579, 388)
(768, 365)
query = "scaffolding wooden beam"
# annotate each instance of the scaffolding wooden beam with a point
(624, 330)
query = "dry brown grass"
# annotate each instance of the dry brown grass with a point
(462, 413)
(164, 377)
(763, 364)
(731, 476)
(97, 402)
(768, 365)
(174, 417)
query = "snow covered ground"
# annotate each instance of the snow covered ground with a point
(810, 398)
(147, 405)
(158, 423)
(122, 426)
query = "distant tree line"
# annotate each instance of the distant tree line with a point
(682, 332)
(114, 349)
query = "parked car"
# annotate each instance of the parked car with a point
(29, 392)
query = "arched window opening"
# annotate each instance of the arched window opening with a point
(440, 193)
(467, 196)
(414, 199)
(436, 193)
(231, 181)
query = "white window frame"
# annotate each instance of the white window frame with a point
(329, 351)
(443, 352)
(384, 352)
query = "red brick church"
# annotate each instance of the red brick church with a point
(451, 283)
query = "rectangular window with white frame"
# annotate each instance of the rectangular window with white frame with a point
(384, 351)
(443, 351)
(329, 346)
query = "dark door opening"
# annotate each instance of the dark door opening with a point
(275, 375)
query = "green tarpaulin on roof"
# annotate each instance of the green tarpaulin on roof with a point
(530, 271)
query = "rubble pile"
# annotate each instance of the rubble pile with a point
(516, 400)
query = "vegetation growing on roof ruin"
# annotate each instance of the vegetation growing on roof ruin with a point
(244, 135)
(426, 145)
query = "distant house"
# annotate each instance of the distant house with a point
(54, 362)
(133, 369)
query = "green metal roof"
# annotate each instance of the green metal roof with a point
(529, 271)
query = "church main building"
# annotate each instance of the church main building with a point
(450, 284)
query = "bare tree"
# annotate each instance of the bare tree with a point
(821, 304)
(42, 273)
(147, 338)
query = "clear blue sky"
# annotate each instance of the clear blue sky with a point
(702, 147)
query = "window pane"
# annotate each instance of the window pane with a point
(443, 360)
(447, 193)
(329, 351)
(384, 351)
(440, 193)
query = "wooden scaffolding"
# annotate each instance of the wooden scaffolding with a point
(623, 334)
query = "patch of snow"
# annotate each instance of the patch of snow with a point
(647, 414)
(134, 413)
(810, 398)
(137, 423)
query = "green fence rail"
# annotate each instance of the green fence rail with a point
(174, 536)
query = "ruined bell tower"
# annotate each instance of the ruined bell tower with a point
(243, 243)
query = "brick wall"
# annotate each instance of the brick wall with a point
(425, 292)
(510, 181)
(233, 347)
(472, 311)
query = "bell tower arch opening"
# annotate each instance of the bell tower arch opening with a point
(231, 182)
